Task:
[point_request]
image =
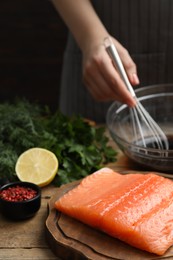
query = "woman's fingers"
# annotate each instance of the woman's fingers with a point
(102, 79)
(104, 83)
(128, 63)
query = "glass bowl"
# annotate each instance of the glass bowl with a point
(158, 101)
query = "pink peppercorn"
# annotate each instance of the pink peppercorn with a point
(17, 193)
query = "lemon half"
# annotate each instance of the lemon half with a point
(37, 165)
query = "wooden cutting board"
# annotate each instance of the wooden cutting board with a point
(71, 239)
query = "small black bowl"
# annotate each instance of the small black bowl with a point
(20, 210)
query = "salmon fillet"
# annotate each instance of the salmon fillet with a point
(135, 208)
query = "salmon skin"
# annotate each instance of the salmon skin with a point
(135, 208)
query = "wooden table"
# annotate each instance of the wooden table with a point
(26, 239)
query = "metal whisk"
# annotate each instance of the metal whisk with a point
(144, 126)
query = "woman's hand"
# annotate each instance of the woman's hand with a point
(100, 76)
(102, 79)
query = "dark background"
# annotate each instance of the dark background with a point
(32, 42)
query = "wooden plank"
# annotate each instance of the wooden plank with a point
(26, 239)
(27, 233)
(27, 253)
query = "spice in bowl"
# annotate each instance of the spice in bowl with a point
(18, 193)
(20, 200)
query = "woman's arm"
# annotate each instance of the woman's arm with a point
(82, 21)
(101, 78)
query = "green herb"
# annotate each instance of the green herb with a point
(80, 147)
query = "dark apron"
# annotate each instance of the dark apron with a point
(145, 28)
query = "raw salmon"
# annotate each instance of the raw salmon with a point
(135, 208)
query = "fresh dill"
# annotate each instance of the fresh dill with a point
(80, 147)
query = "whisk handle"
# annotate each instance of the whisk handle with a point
(112, 51)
